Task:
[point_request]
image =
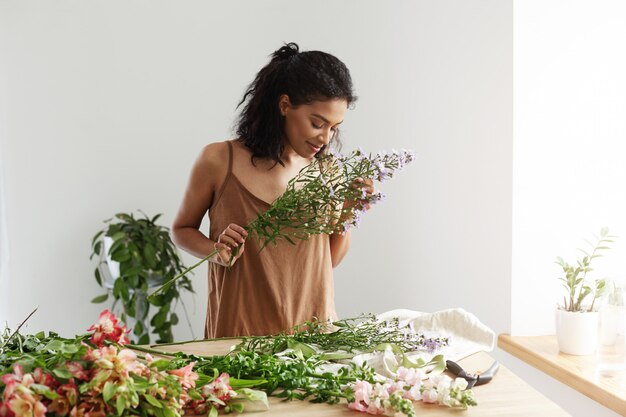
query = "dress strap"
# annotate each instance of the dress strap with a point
(230, 158)
(229, 173)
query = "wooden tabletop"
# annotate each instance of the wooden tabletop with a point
(579, 372)
(506, 395)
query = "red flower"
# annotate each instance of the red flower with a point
(5, 411)
(107, 328)
(77, 371)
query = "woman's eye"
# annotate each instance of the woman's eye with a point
(316, 126)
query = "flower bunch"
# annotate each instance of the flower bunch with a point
(95, 375)
(107, 329)
(354, 335)
(323, 198)
(397, 395)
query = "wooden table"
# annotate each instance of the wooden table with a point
(579, 372)
(506, 395)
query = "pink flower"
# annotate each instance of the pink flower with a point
(4, 410)
(77, 371)
(128, 360)
(429, 396)
(409, 375)
(362, 392)
(220, 388)
(107, 328)
(186, 376)
(27, 405)
(43, 378)
(18, 373)
(67, 397)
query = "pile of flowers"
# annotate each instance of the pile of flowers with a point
(96, 376)
(99, 374)
(398, 395)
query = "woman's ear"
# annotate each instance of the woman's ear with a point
(283, 104)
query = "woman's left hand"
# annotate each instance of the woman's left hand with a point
(367, 189)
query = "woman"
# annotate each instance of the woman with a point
(292, 112)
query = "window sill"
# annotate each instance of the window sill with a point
(578, 372)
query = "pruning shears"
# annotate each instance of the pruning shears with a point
(478, 378)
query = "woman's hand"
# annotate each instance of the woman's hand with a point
(230, 245)
(366, 187)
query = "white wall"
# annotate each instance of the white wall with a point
(107, 105)
(569, 171)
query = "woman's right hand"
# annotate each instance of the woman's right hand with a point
(234, 236)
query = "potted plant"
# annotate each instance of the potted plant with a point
(136, 254)
(576, 320)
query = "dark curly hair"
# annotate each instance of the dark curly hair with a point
(305, 77)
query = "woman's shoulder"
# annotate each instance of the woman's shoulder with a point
(216, 155)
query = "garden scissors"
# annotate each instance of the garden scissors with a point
(478, 378)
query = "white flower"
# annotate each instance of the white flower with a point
(429, 396)
(459, 384)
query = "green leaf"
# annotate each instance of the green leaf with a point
(69, 348)
(306, 350)
(161, 364)
(44, 390)
(168, 412)
(213, 412)
(97, 248)
(246, 383)
(121, 255)
(153, 401)
(100, 299)
(254, 395)
(62, 373)
(95, 238)
(150, 256)
(174, 319)
(120, 405)
(54, 345)
(98, 277)
(138, 330)
(108, 391)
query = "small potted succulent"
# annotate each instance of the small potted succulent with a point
(135, 254)
(577, 317)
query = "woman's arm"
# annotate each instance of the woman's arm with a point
(340, 243)
(207, 174)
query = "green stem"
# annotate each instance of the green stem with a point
(182, 274)
(198, 341)
(6, 342)
(148, 350)
(340, 378)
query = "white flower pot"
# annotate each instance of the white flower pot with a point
(577, 333)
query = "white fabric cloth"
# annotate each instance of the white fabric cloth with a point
(466, 336)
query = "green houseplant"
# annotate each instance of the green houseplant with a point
(577, 321)
(135, 254)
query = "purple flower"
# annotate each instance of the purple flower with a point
(357, 217)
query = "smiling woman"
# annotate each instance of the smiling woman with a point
(292, 113)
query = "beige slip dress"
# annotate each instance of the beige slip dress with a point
(269, 291)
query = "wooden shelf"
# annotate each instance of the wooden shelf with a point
(579, 372)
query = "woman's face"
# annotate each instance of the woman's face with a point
(310, 127)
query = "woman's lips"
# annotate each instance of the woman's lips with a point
(315, 149)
